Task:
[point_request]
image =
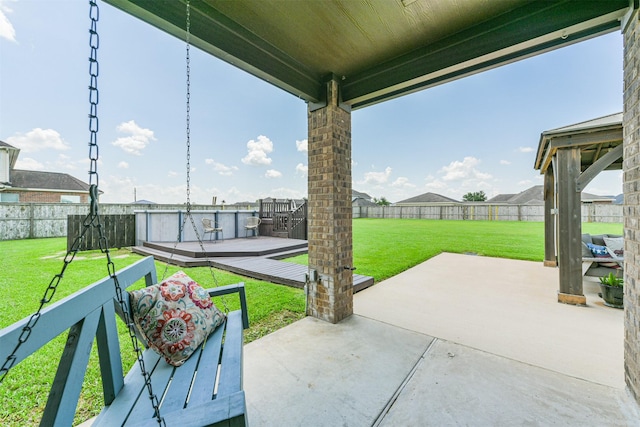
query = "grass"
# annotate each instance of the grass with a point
(382, 248)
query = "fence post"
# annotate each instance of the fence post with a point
(31, 221)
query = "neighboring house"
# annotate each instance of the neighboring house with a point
(358, 195)
(535, 196)
(361, 201)
(426, 199)
(35, 186)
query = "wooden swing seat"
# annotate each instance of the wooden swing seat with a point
(213, 397)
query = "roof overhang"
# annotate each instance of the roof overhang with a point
(378, 49)
(599, 140)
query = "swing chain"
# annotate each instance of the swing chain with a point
(188, 143)
(94, 43)
(94, 216)
(188, 108)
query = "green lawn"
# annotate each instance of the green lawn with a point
(382, 248)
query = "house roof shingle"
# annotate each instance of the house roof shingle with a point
(535, 196)
(428, 198)
(46, 181)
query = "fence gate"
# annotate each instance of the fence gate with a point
(120, 231)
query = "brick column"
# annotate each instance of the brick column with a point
(631, 169)
(330, 298)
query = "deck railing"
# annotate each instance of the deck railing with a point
(294, 222)
(284, 218)
(268, 208)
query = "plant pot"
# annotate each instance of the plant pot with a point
(612, 295)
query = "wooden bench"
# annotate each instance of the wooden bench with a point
(91, 314)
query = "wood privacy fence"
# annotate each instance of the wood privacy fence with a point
(591, 212)
(38, 220)
(120, 231)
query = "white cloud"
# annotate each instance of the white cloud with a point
(525, 149)
(257, 152)
(120, 189)
(172, 174)
(136, 140)
(123, 165)
(466, 169)
(28, 164)
(286, 193)
(302, 169)
(272, 173)
(377, 177)
(402, 182)
(38, 139)
(221, 168)
(505, 162)
(6, 28)
(435, 184)
(302, 145)
(460, 177)
(65, 162)
(524, 182)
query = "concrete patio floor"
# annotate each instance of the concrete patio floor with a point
(456, 340)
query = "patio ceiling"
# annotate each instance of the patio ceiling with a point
(378, 49)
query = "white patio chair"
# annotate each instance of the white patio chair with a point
(251, 223)
(211, 227)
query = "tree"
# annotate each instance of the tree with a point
(476, 196)
(382, 201)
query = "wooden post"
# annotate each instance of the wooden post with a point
(550, 259)
(570, 228)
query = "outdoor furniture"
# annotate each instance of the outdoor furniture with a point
(211, 227)
(215, 393)
(252, 224)
(592, 266)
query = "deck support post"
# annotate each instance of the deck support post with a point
(330, 288)
(569, 227)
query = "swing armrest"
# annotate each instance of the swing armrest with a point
(230, 289)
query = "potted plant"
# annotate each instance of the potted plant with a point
(612, 288)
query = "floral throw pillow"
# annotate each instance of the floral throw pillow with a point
(174, 317)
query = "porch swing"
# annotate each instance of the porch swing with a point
(203, 387)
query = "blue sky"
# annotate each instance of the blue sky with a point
(248, 138)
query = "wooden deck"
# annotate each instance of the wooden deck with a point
(255, 257)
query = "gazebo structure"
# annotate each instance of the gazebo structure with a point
(570, 157)
(343, 55)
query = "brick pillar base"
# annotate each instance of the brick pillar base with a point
(330, 297)
(631, 169)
